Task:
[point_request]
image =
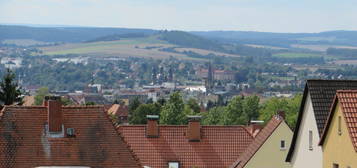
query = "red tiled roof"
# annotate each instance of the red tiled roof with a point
(219, 147)
(24, 141)
(348, 102)
(259, 140)
(119, 110)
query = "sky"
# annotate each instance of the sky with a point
(187, 15)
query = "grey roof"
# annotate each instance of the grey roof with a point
(322, 93)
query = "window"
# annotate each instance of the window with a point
(335, 165)
(310, 140)
(282, 145)
(339, 125)
(174, 165)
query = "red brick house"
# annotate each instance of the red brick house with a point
(54, 135)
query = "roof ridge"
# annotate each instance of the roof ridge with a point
(257, 138)
(135, 157)
(347, 91)
(2, 112)
(333, 80)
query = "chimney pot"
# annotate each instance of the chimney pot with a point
(194, 128)
(54, 111)
(255, 127)
(281, 113)
(152, 127)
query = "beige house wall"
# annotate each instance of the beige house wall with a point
(270, 155)
(338, 149)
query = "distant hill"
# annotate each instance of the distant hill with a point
(63, 34)
(185, 39)
(282, 39)
(116, 37)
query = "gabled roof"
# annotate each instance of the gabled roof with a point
(259, 140)
(322, 93)
(348, 102)
(24, 141)
(119, 110)
(219, 147)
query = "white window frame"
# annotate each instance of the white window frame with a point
(174, 164)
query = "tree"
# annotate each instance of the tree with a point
(233, 113)
(10, 92)
(251, 107)
(193, 105)
(133, 105)
(172, 112)
(66, 101)
(213, 116)
(139, 114)
(289, 105)
(40, 95)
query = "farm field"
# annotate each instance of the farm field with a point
(121, 48)
(148, 47)
(321, 48)
(295, 55)
(205, 52)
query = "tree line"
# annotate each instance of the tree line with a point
(240, 110)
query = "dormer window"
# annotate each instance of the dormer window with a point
(174, 164)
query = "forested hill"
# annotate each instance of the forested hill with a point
(63, 34)
(282, 39)
(211, 40)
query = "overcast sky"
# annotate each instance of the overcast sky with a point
(248, 15)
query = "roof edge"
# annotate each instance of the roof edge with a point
(298, 122)
(235, 164)
(329, 119)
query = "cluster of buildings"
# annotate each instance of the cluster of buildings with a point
(59, 136)
(53, 135)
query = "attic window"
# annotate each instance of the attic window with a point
(310, 140)
(282, 145)
(335, 165)
(339, 126)
(174, 164)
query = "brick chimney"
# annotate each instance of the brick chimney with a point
(255, 127)
(152, 127)
(194, 128)
(281, 113)
(54, 111)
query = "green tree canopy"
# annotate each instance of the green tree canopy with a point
(233, 113)
(139, 114)
(40, 95)
(213, 116)
(133, 105)
(289, 105)
(10, 92)
(172, 112)
(251, 107)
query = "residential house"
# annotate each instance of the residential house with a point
(317, 99)
(53, 135)
(194, 145)
(83, 98)
(121, 111)
(269, 148)
(339, 138)
(181, 146)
